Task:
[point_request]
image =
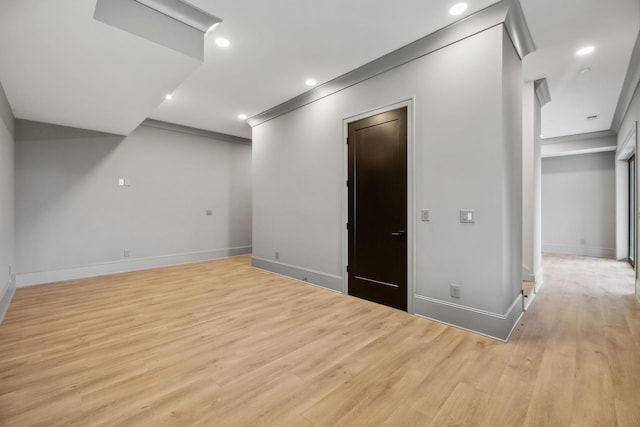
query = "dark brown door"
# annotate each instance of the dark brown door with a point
(378, 208)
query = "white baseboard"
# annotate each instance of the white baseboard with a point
(41, 277)
(497, 326)
(6, 298)
(592, 251)
(318, 278)
(538, 278)
(529, 299)
(526, 273)
(492, 325)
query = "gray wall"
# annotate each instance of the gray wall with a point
(74, 220)
(628, 124)
(7, 258)
(578, 204)
(466, 127)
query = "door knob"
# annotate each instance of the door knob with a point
(398, 233)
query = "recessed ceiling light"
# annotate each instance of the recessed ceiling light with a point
(457, 9)
(585, 50)
(168, 97)
(222, 42)
(242, 116)
(311, 82)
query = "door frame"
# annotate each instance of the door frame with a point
(632, 213)
(411, 244)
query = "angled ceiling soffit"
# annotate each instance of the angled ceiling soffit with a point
(171, 23)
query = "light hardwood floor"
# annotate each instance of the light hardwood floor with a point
(222, 344)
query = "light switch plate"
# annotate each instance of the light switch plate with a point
(467, 216)
(425, 214)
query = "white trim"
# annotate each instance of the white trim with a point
(526, 301)
(317, 278)
(628, 148)
(622, 208)
(526, 273)
(467, 308)
(6, 298)
(592, 251)
(538, 281)
(493, 325)
(112, 267)
(577, 152)
(171, 127)
(411, 246)
(506, 13)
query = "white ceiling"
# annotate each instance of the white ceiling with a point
(59, 65)
(559, 29)
(278, 44)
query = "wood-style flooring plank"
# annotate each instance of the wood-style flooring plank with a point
(221, 343)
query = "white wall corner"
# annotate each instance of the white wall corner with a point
(6, 298)
(527, 273)
(538, 280)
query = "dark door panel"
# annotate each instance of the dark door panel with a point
(378, 208)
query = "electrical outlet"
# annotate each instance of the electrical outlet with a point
(425, 214)
(121, 182)
(455, 290)
(126, 253)
(209, 212)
